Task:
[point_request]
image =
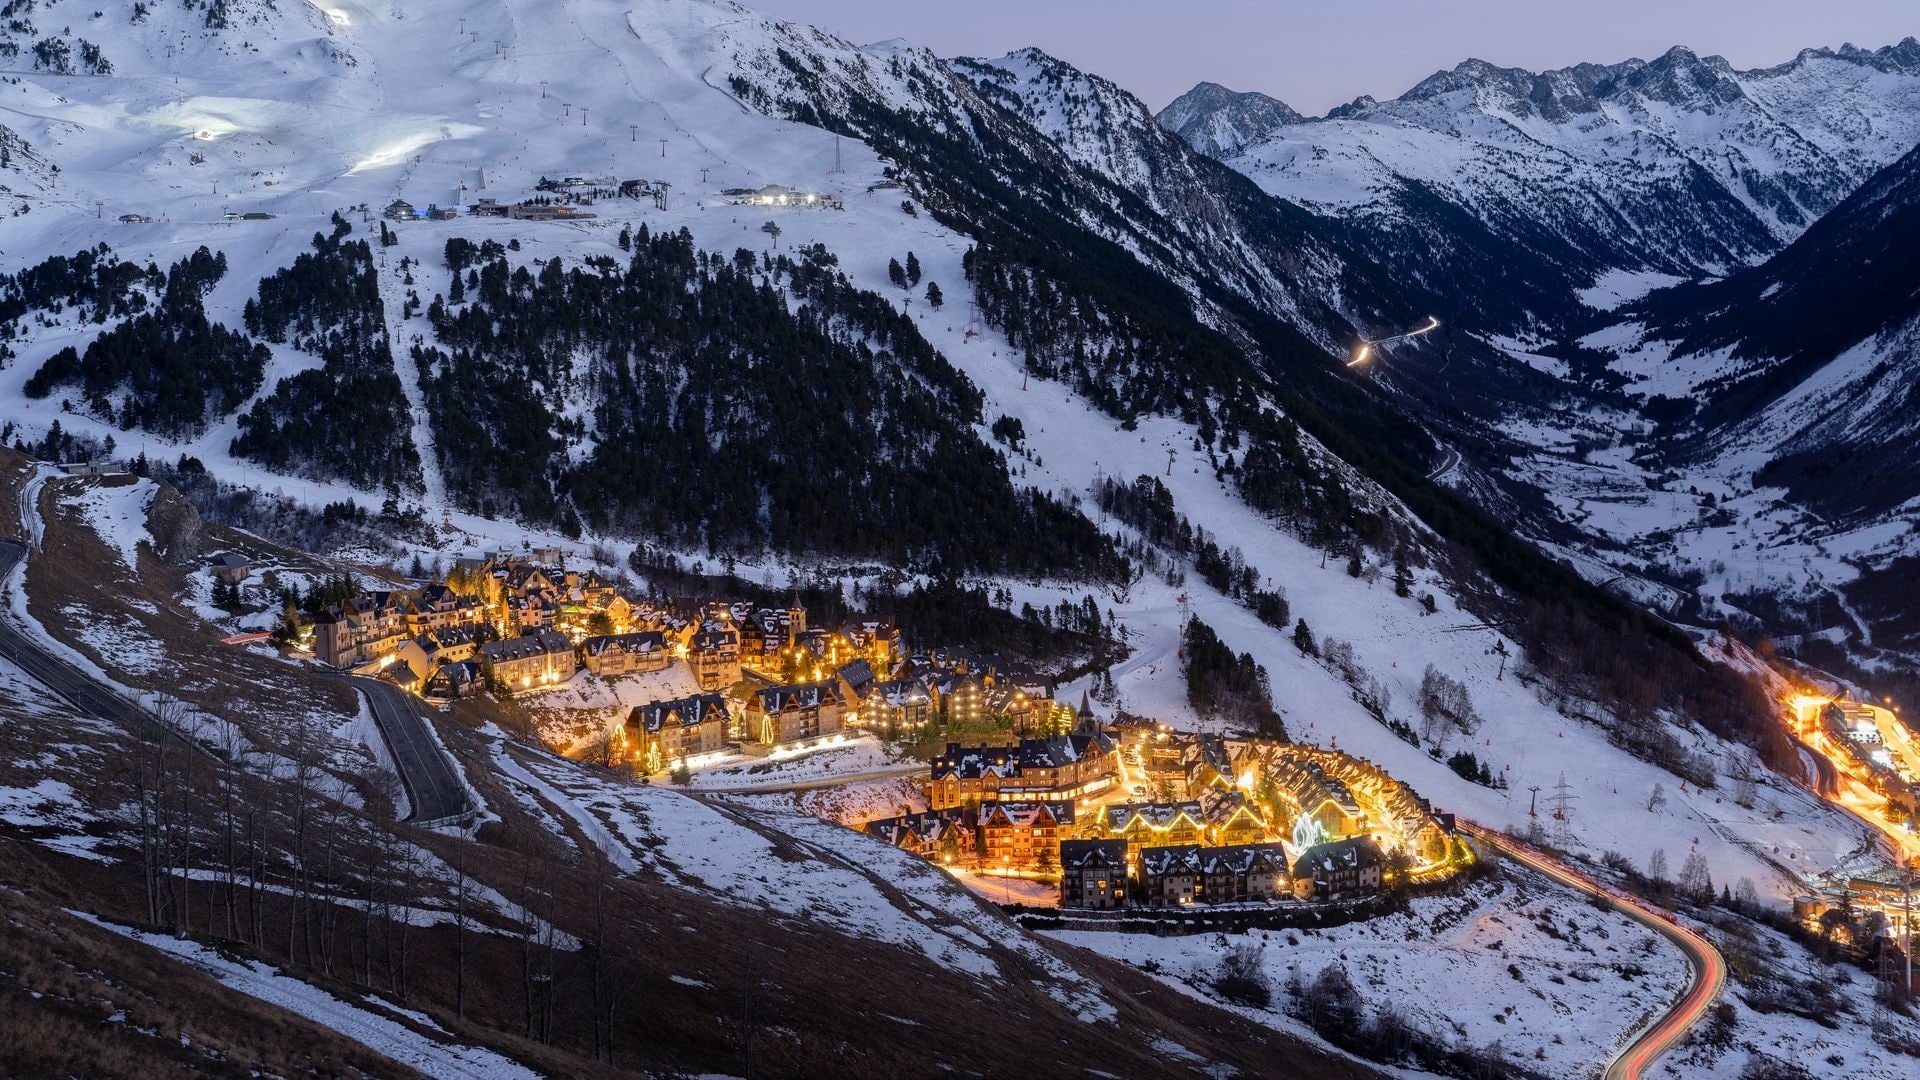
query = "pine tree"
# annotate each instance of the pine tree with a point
(1353, 564)
(1303, 638)
(896, 274)
(1402, 574)
(934, 297)
(913, 269)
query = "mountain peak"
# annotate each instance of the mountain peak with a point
(1217, 121)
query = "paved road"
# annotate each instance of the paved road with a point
(437, 793)
(61, 676)
(1709, 970)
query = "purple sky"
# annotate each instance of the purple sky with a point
(1314, 54)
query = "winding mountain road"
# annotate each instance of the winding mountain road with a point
(66, 679)
(439, 798)
(1630, 1062)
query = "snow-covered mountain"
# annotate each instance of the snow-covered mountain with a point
(1217, 121)
(1562, 191)
(1013, 289)
(1785, 394)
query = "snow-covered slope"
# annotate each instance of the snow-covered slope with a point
(1217, 121)
(1679, 165)
(1773, 450)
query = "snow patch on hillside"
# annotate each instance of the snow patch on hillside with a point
(1616, 288)
(359, 1022)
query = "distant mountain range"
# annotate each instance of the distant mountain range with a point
(1523, 196)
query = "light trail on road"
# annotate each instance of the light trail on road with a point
(1709, 969)
(1365, 351)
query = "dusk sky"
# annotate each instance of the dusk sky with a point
(1314, 54)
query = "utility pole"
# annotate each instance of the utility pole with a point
(543, 88)
(1563, 811)
(1533, 796)
(583, 116)
(703, 178)
(633, 132)
(836, 153)
(663, 148)
(566, 109)
(1170, 453)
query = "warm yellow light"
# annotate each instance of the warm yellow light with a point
(1360, 355)
(1802, 702)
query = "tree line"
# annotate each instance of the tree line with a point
(348, 419)
(722, 418)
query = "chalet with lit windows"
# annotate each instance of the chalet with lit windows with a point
(625, 654)
(429, 652)
(1314, 793)
(1241, 873)
(1231, 819)
(404, 675)
(541, 658)
(796, 712)
(1145, 825)
(1171, 876)
(665, 731)
(1338, 870)
(1024, 835)
(1061, 767)
(462, 678)
(438, 607)
(1207, 764)
(939, 835)
(714, 658)
(767, 634)
(536, 611)
(1093, 874)
(361, 631)
(897, 706)
(963, 698)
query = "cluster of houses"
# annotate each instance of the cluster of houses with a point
(782, 195)
(526, 210)
(1100, 874)
(510, 620)
(513, 622)
(1136, 815)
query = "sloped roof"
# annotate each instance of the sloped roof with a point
(1024, 814)
(538, 643)
(1323, 860)
(1174, 859)
(686, 712)
(1085, 854)
(644, 641)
